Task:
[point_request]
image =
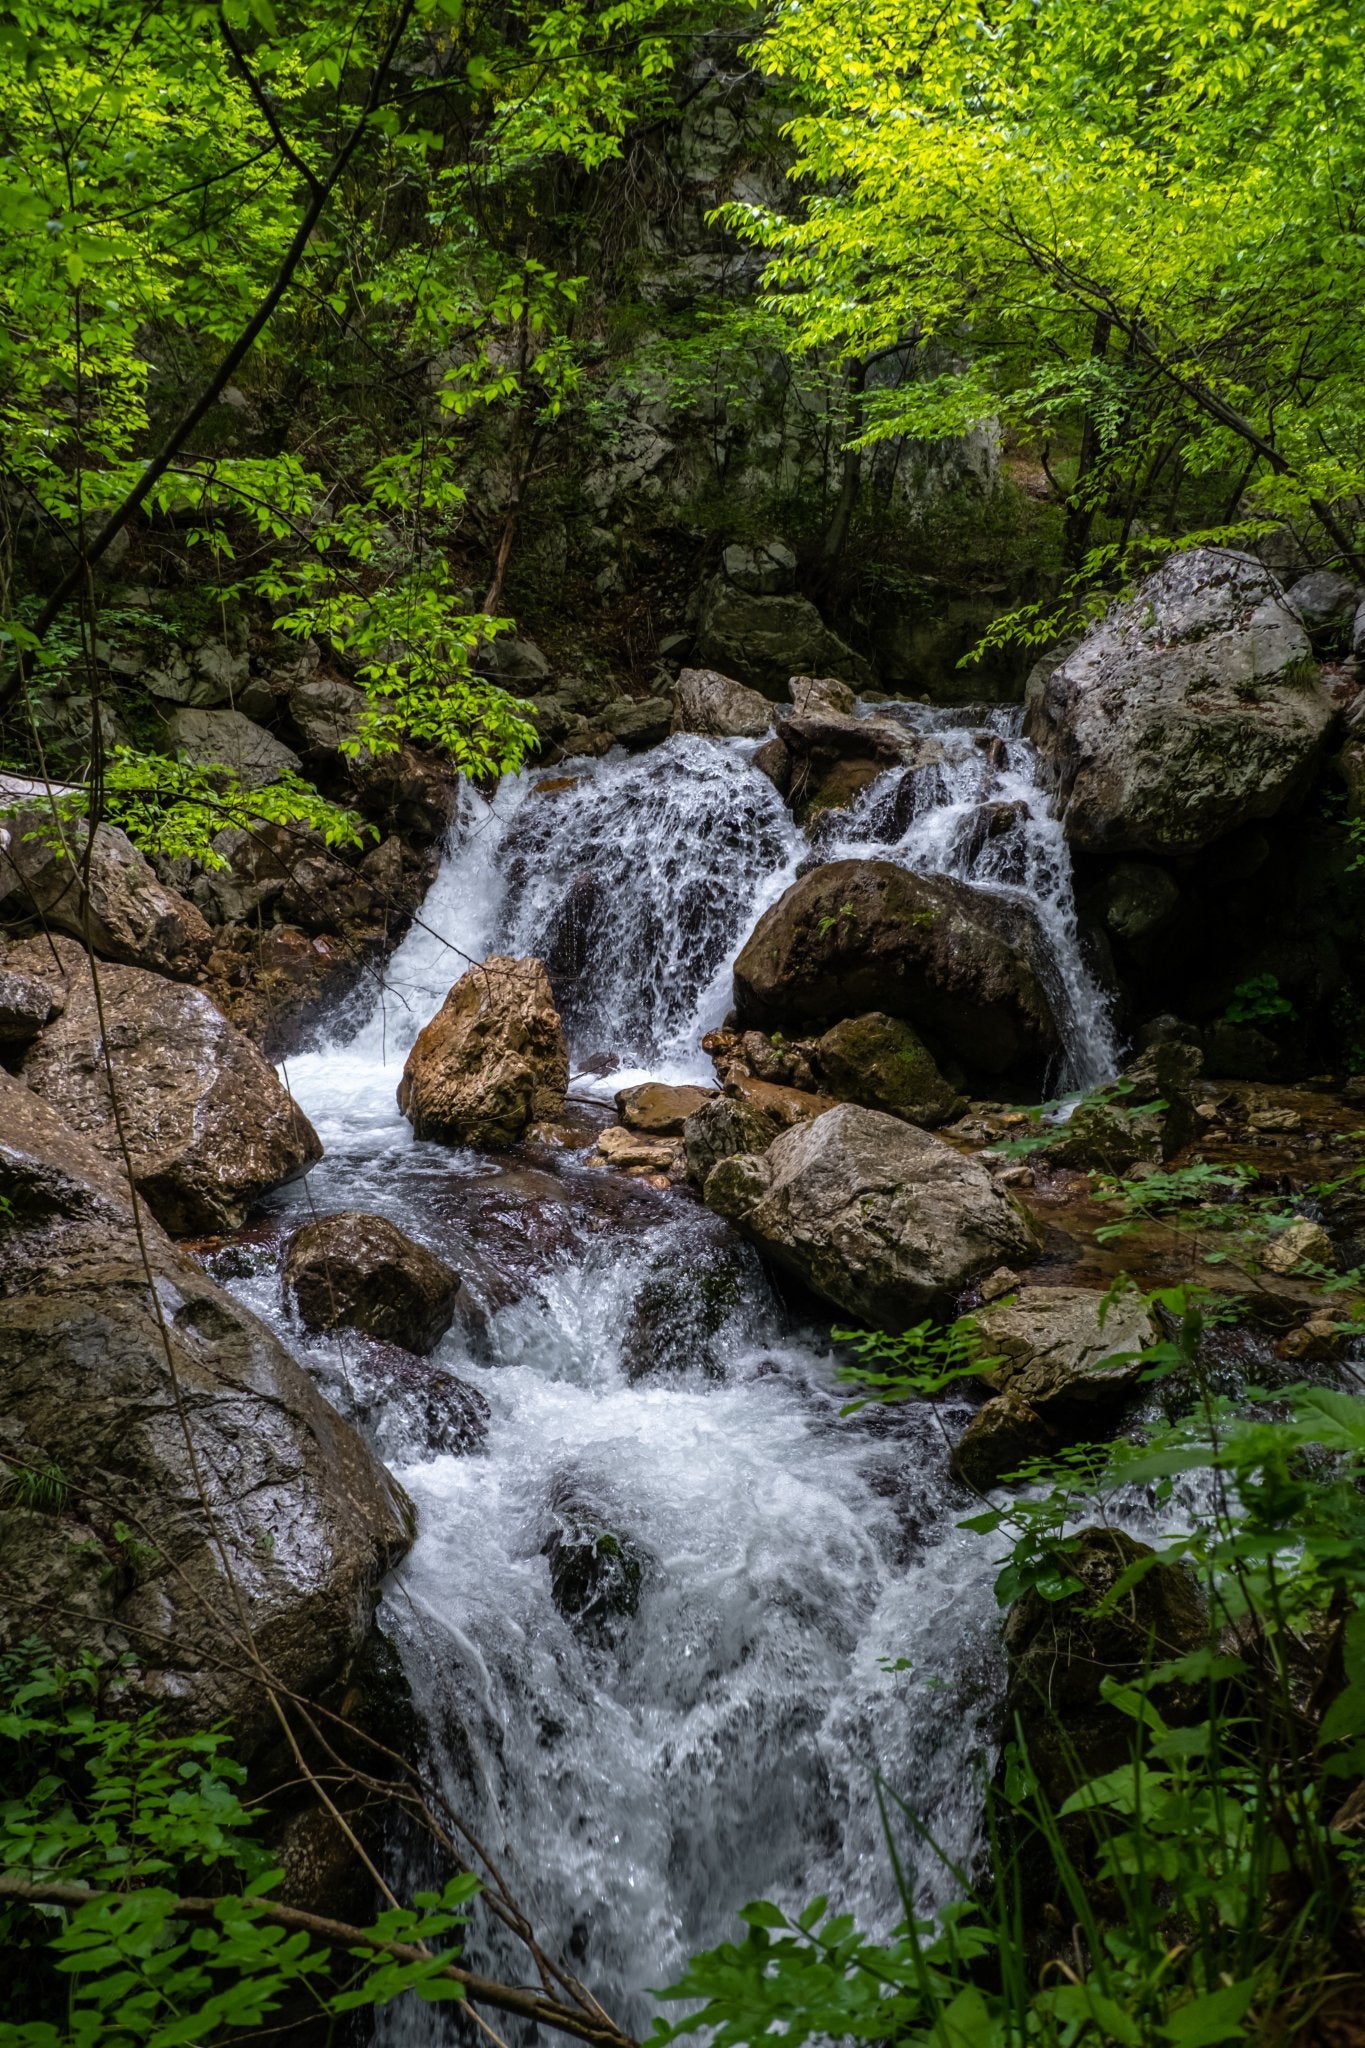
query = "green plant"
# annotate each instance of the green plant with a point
(43, 1488)
(1258, 1001)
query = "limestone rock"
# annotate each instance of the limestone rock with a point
(880, 1062)
(659, 1110)
(633, 1152)
(1190, 709)
(209, 1127)
(812, 694)
(764, 640)
(1326, 601)
(361, 1272)
(786, 1106)
(306, 1516)
(765, 568)
(639, 722)
(130, 915)
(491, 1061)
(880, 1218)
(725, 1126)
(716, 706)
(516, 662)
(228, 739)
(774, 760)
(27, 1002)
(861, 935)
(325, 712)
(1302, 1240)
(1004, 1434)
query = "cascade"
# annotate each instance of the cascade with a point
(798, 1612)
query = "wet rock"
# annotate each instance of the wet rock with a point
(835, 755)
(632, 1152)
(1301, 1241)
(228, 739)
(686, 1306)
(596, 1574)
(1106, 1137)
(409, 1405)
(1326, 601)
(813, 694)
(293, 1502)
(27, 1003)
(881, 1063)
(1136, 899)
(658, 1109)
(880, 1218)
(1062, 1651)
(639, 722)
(764, 640)
(719, 707)
(727, 1125)
(774, 760)
(129, 914)
(208, 1126)
(765, 568)
(491, 1061)
(1063, 1376)
(1189, 710)
(786, 1106)
(361, 1272)
(862, 935)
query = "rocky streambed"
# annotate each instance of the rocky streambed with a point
(700, 1051)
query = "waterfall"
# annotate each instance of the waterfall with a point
(801, 1613)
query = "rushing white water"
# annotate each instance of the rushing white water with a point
(807, 1615)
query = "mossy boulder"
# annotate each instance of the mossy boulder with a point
(880, 1062)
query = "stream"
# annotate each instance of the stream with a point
(807, 1616)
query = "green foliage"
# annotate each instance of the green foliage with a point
(1258, 1001)
(148, 1824)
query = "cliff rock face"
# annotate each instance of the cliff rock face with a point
(1189, 710)
(878, 1217)
(866, 935)
(491, 1061)
(206, 1120)
(182, 1509)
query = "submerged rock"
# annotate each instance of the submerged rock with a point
(877, 1216)
(880, 1062)
(867, 935)
(596, 1574)
(208, 1126)
(127, 914)
(1190, 709)
(130, 1549)
(361, 1272)
(491, 1061)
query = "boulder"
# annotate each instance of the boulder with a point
(1189, 710)
(786, 1106)
(658, 1109)
(208, 1126)
(361, 1272)
(491, 1061)
(228, 739)
(1297, 1242)
(1003, 1436)
(1062, 1651)
(326, 714)
(723, 1127)
(1136, 899)
(861, 935)
(764, 640)
(719, 708)
(881, 1063)
(595, 1574)
(773, 760)
(765, 568)
(27, 1002)
(813, 694)
(1056, 1352)
(1326, 601)
(132, 1557)
(516, 662)
(883, 1220)
(127, 913)
(834, 755)
(639, 721)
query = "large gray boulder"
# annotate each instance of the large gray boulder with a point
(208, 1126)
(200, 1508)
(863, 935)
(231, 740)
(1326, 601)
(719, 708)
(1190, 709)
(765, 640)
(879, 1218)
(491, 1061)
(107, 892)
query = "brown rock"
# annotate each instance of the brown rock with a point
(491, 1061)
(632, 1152)
(1003, 1435)
(293, 1504)
(880, 1062)
(723, 1128)
(863, 935)
(129, 916)
(208, 1126)
(774, 760)
(658, 1109)
(786, 1106)
(361, 1272)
